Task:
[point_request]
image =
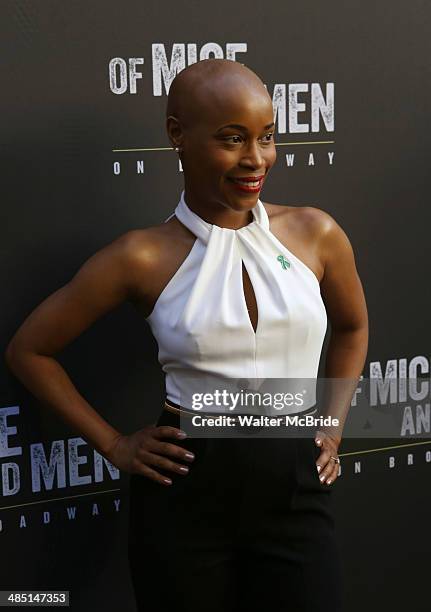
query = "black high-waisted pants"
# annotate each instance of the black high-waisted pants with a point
(249, 528)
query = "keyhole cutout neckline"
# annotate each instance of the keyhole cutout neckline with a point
(210, 234)
(203, 229)
(252, 310)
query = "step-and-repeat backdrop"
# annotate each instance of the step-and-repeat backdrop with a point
(85, 158)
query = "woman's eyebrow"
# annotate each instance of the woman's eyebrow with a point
(242, 127)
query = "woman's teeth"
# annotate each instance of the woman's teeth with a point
(247, 183)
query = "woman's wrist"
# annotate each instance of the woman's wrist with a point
(330, 433)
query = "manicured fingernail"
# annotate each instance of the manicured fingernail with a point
(189, 456)
(328, 481)
(319, 467)
(183, 468)
(322, 478)
(167, 480)
(181, 434)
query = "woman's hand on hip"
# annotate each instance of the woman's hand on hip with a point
(147, 448)
(327, 467)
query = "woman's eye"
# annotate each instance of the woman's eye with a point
(271, 134)
(267, 138)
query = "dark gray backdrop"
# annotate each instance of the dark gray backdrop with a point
(62, 201)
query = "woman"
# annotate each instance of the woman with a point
(218, 523)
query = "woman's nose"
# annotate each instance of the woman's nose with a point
(253, 156)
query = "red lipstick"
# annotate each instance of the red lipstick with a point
(248, 184)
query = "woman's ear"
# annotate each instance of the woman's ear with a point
(174, 130)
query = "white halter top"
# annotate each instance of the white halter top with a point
(201, 323)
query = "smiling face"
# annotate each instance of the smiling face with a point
(222, 119)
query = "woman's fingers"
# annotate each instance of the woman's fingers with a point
(153, 451)
(157, 445)
(153, 475)
(153, 459)
(329, 469)
(166, 431)
(169, 450)
(333, 475)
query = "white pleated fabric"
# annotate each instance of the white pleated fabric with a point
(201, 322)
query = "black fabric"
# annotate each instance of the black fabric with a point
(249, 527)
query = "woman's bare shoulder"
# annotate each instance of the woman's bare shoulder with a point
(151, 254)
(146, 245)
(300, 218)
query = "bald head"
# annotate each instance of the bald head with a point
(208, 84)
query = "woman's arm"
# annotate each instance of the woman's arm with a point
(103, 282)
(344, 299)
(116, 273)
